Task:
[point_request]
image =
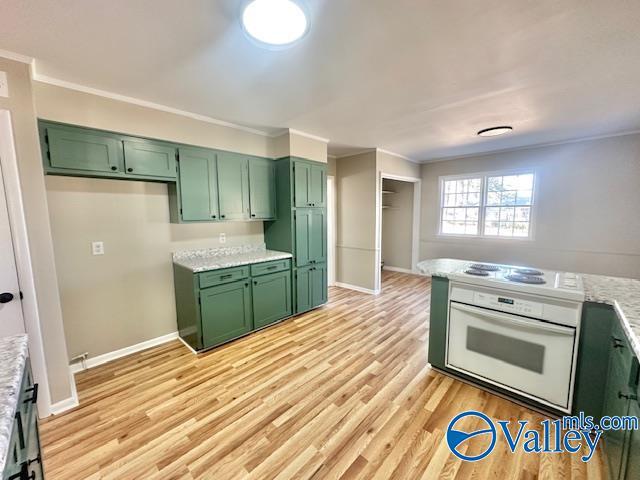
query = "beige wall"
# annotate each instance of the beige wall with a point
(126, 296)
(393, 165)
(20, 104)
(331, 166)
(356, 240)
(297, 145)
(586, 214)
(397, 224)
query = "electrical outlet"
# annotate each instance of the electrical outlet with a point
(4, 86)
(97, 248)
(223, 238)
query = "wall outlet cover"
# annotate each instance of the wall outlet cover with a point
(223, 238)
(4, 85)
(97, 248)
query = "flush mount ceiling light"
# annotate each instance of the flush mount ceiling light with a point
(274, 23)
(494, 131)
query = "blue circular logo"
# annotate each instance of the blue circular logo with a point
(456, 437)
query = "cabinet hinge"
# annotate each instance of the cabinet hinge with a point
(180, 211)
(48, 154)
(199, 301)
(46, 138)
(21, 295)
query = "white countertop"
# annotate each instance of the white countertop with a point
(621, 293)
(204, 260)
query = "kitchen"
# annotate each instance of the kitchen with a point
(199, 275)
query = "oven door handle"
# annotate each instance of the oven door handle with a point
(531, 324)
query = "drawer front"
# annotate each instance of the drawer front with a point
(218, 277)
(270, 267)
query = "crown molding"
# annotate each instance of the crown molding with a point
(143, 103)
(300, 134)
(388, 152)
(18, 57)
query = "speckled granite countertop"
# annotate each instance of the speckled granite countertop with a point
(226, 257)
(621, 293)
(13, 356)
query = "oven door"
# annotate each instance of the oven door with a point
(530, 357)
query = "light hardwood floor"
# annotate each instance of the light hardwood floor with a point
(341, 392)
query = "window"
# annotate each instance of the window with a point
(490, 205)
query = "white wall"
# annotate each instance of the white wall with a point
(586, 214)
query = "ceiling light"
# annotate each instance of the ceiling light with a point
(494, 131)
(274, 23)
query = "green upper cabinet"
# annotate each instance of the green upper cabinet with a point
(262, 188)
(310, 236)
(226, 312)
(233, 186)
(310, 184)
(75, 150)
(271, 298)
(198, 184)
(146, 158)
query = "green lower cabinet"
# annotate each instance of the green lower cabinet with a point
(226, 312)
(438, 321)
(311, 287)
(632, 471)
(271, 298)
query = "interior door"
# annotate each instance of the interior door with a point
(198, 185)
(233, 186)
(11, 320)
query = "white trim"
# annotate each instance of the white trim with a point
(415, 234)
(533, 146)
(16, 57)
(332, 222)
(123, 352)
(356, 288)
(18, 222)
(357, 152)
(394, 154)
(143, 103)
(306, 135)
(398, 269)
(187, 345)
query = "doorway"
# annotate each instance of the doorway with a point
(398, 225)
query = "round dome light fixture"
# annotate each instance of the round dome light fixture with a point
(274, 23)
(495, 131)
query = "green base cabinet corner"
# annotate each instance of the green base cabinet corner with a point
(438, 321)
(271, 298)
(311, 287)
(217, 306)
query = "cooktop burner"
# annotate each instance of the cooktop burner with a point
(521, 278)
(528, 271)
(476, 271)
(484, 267)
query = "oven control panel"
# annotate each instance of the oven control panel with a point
(563, 312)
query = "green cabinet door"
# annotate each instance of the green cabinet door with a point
(271, 298)
(303, 231)
(233, 186)
(632, 471)
(318, 185)
(262, 188)
(82, 151)
(318, 285)
(616, 400)
(198, 184)
(301, 177)
(303, 289)
(225, 312)
(145, 158)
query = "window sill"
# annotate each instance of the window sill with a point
(484, 238)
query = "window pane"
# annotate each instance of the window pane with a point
(508, 207)
(506, 214)
(521, 229)
(505, 229)
(449, 187)
(491, 228)
(522, 214)
(524, 197)
(493, 198)
(461, 206)
(472, 214)
(508, 197)
(473, 198)
(492, 213)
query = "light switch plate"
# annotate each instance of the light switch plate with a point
(223, 238)
(4, 85)
(97, 248)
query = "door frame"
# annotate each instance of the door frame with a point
(17, 220)
(332, 224)
(415, 227)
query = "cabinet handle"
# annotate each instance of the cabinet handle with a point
(272, 267)
(33, 389)
(222, 216)
(255, 282)
(129, 169)
(246, 284)
(20, 430)
(114, 168)
(617, 343)
(213, 216)
(224, 277)
(628, 396)
(253, 214)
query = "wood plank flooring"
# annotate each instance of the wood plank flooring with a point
(340, 392)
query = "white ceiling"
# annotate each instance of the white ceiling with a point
(416, 77)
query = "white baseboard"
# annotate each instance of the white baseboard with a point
(399, 269)
(187, 345)
(123, 352)
(357, 288)
(68, 403)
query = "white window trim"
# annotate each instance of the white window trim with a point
(481, 213)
